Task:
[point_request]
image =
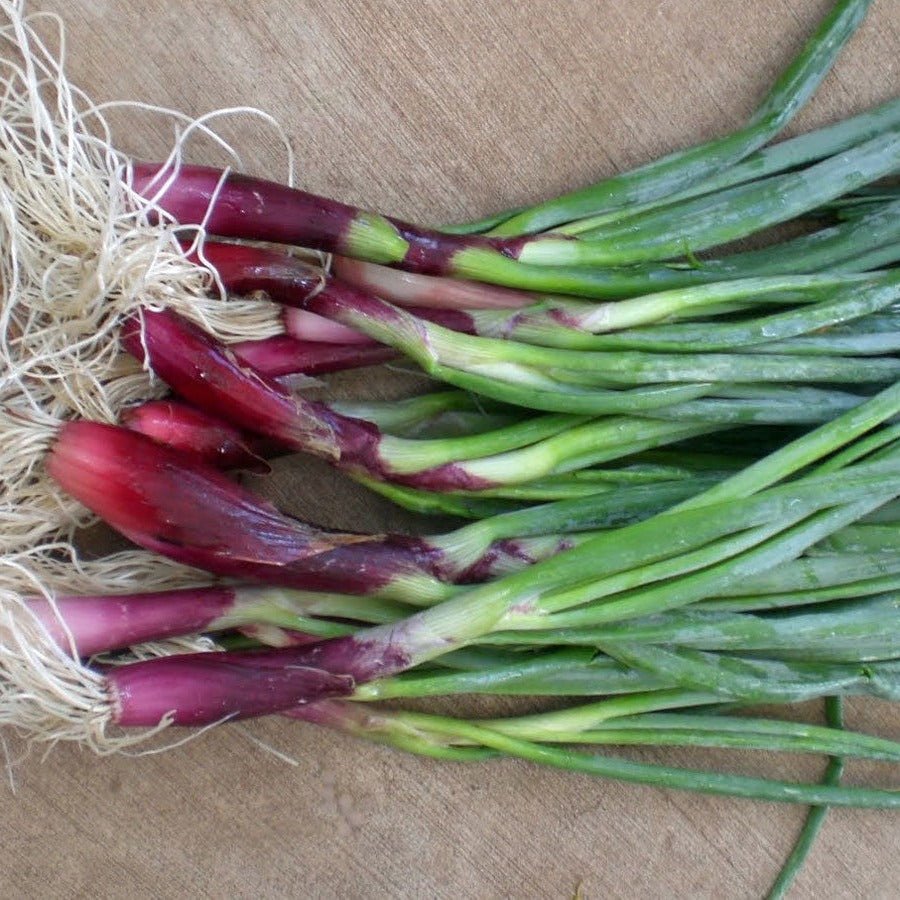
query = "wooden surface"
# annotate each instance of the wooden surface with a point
(434, 110)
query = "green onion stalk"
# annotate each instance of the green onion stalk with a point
(236, 206)
(681, 556)
(726, 387)
(465, 741)
(774, 525)
(656, 717)
(808, 304)
(667, 176)
(789, 154)
(616, 493)
(711, 220)
(770, 527)
(867, 242)
(816, 817)
(203, 372)
(632, 721)
(173, 504)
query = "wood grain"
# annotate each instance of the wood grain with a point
(434, 111)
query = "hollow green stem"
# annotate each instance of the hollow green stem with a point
(617, 498)
(865, 627)
(674, 172)
(828, 438)
(816, 817)
(479, 355)
(708, 221)
(855, 301)
(658, 776)
(408, 416)
(609, 722)
(475, 613)
(458, 740)
(865, 243)
(771, 550)
(811, 580)
(408, 456)
(569, 672)
(596, 442)
(789, 154)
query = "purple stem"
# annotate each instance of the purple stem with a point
(427, 291)
(100, 623)
(205, 688)
(291, 282)
(207, 375)
(307, 326)
(239, 206)
(212, 378)
(190, 512)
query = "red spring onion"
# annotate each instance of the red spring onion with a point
(205, 688)
(91, 624)
(178, 507)
(190, 512)
(238, 206)
(203, 372)
(97, 624)
(791, 519)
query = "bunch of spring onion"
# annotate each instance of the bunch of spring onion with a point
(681, 473)
(789, 335)
(775, 584)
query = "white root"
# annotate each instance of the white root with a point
(45, 693)
(79, 250)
